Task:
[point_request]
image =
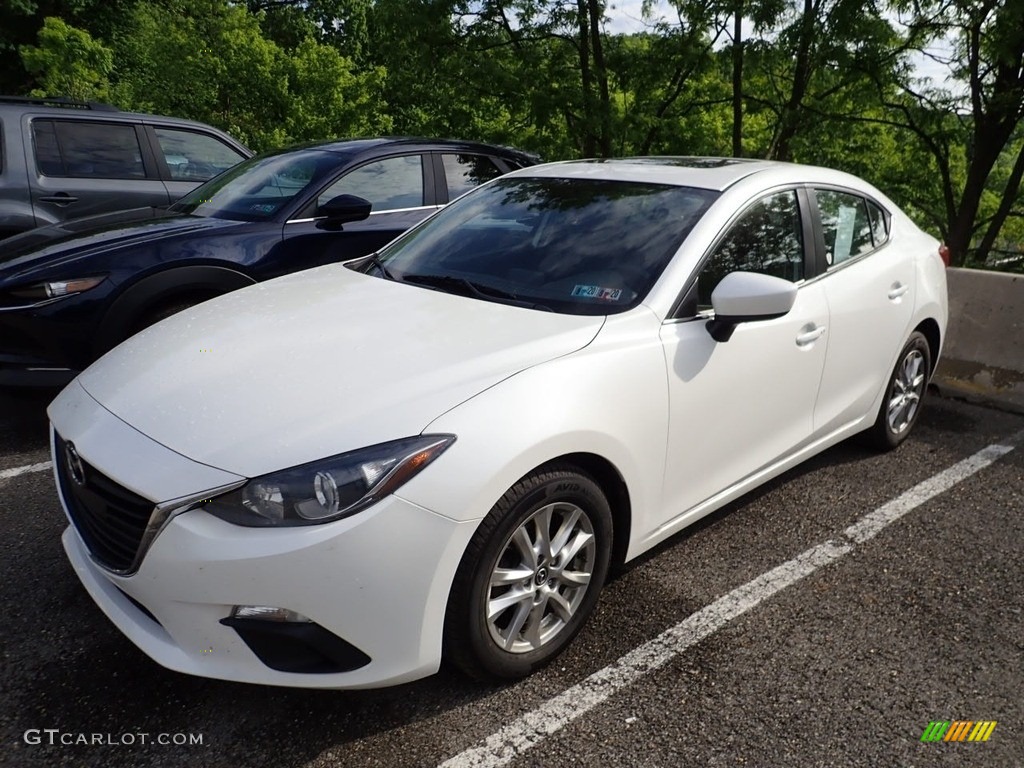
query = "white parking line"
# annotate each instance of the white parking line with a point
(530, 729)
(15, 471)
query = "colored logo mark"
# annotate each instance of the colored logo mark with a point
(958, 730)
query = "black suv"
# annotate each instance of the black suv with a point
(62, 159)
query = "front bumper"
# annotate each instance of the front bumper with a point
(46, 344)
(378, 580)
(30, 371)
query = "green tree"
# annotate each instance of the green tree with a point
(968, 126)
(68, 62)
(21, 20)
(209, 60)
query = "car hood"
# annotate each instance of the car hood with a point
(63, 243)
(318, 363)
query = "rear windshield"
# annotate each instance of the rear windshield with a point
(579, 246)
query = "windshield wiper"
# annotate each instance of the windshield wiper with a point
(374, 261)
(474, 289)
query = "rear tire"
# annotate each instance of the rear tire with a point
(531, 575)
(901, 404)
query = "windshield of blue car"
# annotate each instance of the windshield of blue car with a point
(578, 246)
(257, 189)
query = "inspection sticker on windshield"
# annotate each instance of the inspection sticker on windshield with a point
(597, 292)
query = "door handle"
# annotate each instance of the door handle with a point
(810, 335)
(897, 290)
(61, 199)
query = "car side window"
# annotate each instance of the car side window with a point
(389, 184)
(194, 156)
(82, 149)
(768, 239)
(879, 224)
(845, 225)
(464, 172)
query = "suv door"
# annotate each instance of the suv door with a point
(870, 287)
(83, 167)
(737, 407)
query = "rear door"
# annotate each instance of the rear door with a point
(84, 167)
(869, 284)
(456, 173)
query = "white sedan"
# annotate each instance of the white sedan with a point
(340, 477)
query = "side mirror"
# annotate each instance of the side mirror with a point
(343, 209)
(744, 297)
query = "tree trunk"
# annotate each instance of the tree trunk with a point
(737, 81)
(605, 104)
(786, 130)
(1005, 206)
(588, 140)
(989, 142)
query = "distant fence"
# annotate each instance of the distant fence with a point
(983, 356)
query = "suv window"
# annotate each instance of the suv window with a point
(391, 183)
(194, 156)
(767, 239)
(845, 225)
(87, 149)
(464, 172)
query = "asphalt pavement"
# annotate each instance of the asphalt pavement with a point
(844, 663)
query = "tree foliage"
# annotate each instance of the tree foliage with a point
(832, 82)
(69, 62)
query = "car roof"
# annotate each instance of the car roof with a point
(362, 144)
(716, 173)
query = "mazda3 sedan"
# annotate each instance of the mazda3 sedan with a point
(343, 476)
(70, 292)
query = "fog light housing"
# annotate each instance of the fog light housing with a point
(290, 642)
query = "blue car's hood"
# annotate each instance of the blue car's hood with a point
(64, 243)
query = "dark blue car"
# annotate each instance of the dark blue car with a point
(70, 292)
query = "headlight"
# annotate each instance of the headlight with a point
(56, 288)
(328, 489)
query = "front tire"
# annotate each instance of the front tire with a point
(531, 575)
(901, 404)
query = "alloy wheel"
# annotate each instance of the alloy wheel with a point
(907, 390)
(540, 577)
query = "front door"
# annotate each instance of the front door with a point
(737, 407)
(397, 188)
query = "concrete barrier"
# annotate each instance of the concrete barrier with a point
(983, 357)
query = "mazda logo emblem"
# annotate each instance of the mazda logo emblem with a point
(74, 462)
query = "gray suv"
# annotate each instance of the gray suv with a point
(62, 159)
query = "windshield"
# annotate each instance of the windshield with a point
(578, 246)
(257, 189)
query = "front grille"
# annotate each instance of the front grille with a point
(110, 519)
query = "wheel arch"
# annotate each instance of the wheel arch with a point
(159, 288)
(929, 328)
(615, 490)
